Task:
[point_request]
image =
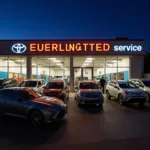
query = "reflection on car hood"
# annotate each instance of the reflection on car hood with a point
(47, 100)
(52, 90)
(89, 90)
(133, 90)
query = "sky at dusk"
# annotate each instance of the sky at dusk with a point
(75, 19)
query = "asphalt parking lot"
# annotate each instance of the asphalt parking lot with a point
(90, 128)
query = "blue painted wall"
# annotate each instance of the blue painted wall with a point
(3, 75)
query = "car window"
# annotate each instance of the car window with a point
(43, 82)
(1, 81)
(88, 85)
(146, 83)
(28, 84)
(39, 83)
(127, 85)
(55, 85)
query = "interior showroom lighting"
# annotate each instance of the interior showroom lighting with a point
(56, 60)
(59, 64)
(52, 58)
(8, 60)
(90, 58)
(88, 61)
(20, 60)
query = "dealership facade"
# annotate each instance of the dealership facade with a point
(90, 59)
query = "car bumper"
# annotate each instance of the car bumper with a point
(135, 99)
(56, 116)
(90, 100)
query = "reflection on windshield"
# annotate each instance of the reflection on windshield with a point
(55, 85)
(88, 86)
(28, 84)
(29, 94)
(126, 85)
(146, 83)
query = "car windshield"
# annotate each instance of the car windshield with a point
(28, 84)
(86, 85)
(29, 94)
(55, 85)
(146, 83)
(126, 85)
(1, 81)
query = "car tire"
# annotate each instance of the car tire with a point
(36, 117)
(108, 95)
(147, 97)
(141, 104)
(120, 98)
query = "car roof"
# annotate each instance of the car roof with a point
(86, 81)
(34, 80)
(57, 80)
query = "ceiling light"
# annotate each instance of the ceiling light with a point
(56, 60)
(109, 65)
(88, 60)
(20, 60)
(52, 58)
(59, 64)
(8, 60)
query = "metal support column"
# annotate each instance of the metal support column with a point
(29, 67)
(71, 74)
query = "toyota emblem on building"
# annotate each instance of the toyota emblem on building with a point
(19, 48)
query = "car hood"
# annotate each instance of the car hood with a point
(52, 90)
(89, 90)
(133, 90)
(48, 100)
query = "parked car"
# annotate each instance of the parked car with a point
(57, 88)
(26, 103)
(143, 84)
(125, 91)
(6, 83)
(87, 92)
(36, 84)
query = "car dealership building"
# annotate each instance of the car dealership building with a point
(90, 59)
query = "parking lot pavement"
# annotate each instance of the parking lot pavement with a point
(112, 126)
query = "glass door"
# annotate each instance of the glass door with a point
(77, 75)
(87, 74)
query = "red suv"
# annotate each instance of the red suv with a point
(57, 88)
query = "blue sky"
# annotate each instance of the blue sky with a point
(79, 19)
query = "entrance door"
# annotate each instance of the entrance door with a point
(81, 74)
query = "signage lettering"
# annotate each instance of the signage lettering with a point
(128, 48)
(69, 47)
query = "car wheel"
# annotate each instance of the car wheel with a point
(121, 101)
(147, 97)
(36, 117)
(108, 95)
(141, 104)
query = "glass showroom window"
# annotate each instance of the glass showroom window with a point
(50, 67)
(11, 67)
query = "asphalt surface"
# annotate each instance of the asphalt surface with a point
(112, 127)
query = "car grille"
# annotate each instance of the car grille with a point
(92, 101)
(92, 95)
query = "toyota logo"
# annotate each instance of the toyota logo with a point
(19, 48)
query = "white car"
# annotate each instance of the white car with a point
(143, 84)
(36, 84)
(125, 91)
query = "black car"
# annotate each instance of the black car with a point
(6, 83)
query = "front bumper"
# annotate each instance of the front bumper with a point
(82, 100)
(134, 99)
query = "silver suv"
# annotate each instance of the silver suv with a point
(143, 84)
(125, 91)
(36, 84)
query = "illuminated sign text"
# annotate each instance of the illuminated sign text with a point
(69, 47)
(128, 48)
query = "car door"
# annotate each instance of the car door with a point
(66, 90)
(111, 88)
(14, 103)
(116, 89)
